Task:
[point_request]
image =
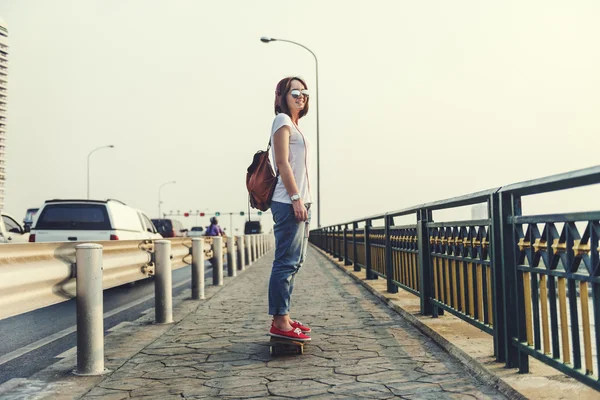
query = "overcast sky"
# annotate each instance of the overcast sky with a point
(420, 101)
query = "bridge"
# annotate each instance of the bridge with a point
(499, 307)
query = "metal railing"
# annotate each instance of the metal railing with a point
(530, 281)
(36, 275)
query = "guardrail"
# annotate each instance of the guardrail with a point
(36, 275)
(525, 280)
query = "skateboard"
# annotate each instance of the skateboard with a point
(278, 346)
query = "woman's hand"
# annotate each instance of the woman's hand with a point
(300, 210)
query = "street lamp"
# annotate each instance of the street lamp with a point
(88, 166)
(265, 39)
(159, 201)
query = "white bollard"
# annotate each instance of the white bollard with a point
(163, 292)
(231, 257)
(197, 268)
(90, 311)
(248, 240)
(217, 261)
(241, 262)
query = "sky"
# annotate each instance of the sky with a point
(420, 101)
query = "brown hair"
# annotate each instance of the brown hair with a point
(281, 91)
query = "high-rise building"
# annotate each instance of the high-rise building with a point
(3, 85)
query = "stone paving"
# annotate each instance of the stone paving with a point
(360, 349)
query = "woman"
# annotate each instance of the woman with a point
(290, 204)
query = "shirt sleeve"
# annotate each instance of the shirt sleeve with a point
(281, 119)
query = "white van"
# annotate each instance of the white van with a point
(90, 220)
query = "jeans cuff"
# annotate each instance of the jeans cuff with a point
(278, 311)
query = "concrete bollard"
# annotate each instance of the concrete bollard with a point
(90, 310)
(253, 247)
(217, 261)
(163, 292)
(197, 268)
(231, 257)
(248, 241)
(241, 261)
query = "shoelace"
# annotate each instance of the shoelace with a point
(298, 331)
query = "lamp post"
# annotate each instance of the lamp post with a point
(159, 201)
(265, 39)
(88, 165)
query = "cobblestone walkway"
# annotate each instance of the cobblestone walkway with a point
(360, 349)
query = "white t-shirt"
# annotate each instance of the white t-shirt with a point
(299, 158)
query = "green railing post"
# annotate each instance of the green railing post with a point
(341, 238)
(354, 247)
(423, 217)
(389, 269)
(336, 244)
(346, 260)
(333, 241)
(370, 274)
(514, 304)
(501, 341)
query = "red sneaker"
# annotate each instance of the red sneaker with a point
(298, 324)
(294, 334)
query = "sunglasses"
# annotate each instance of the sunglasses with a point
(297, 93)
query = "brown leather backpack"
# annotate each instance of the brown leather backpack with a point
(261, 180)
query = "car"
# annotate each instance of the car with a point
(169, 228)
(28, 220)
(11, 231)
(196, 231)
(252, 227)
(64, 220)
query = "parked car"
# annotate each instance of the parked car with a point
(11, 231)
(196, 231)
(90, 220)
(28, 220)
(169, 227)
(251, 227)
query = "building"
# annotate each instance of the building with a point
(3, 87)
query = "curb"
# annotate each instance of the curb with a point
(472, 365)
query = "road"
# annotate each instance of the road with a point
(32, 341)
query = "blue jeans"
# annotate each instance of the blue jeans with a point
(291, 242)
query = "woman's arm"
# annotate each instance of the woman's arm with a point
(281, 143)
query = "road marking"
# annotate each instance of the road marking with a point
(59, 335)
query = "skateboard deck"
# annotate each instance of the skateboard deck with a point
(279, 346)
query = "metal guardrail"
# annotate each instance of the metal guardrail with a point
(532, 282)
(36, 275)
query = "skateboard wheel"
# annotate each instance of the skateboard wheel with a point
(272, 350)
(300, 350)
